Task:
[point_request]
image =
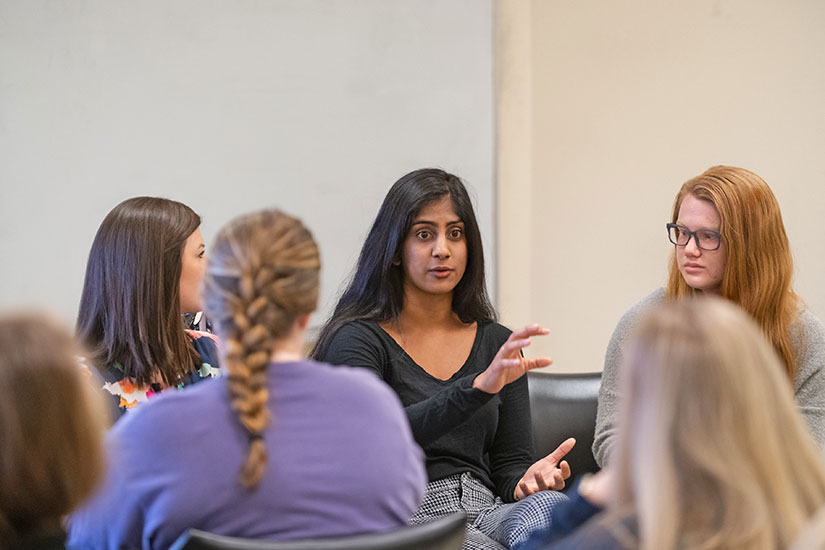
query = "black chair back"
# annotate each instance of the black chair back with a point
(445, 533)
(564, 405)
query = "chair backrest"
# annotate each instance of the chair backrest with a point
(564, 405)
(445, 533)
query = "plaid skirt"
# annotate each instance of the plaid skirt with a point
(491, 524)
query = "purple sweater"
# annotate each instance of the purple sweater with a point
(342, 461)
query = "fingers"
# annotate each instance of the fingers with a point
(541, 484)
(565, 469)
(522, 491)
(530, 330)
(538, 363)
(556, 456)
(512, 347)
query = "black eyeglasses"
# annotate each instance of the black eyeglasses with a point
(706, 239)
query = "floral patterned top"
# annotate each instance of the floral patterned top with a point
(126, 395)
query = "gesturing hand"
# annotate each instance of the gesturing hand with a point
(508, 364)
(546, 473)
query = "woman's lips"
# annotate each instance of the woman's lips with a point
(441, 272)
(692, 267)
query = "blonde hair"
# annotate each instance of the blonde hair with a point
(261, 275)
(758, 262)
(51, 427)
(712, 452)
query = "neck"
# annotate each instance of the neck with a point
(289, 348)
(427, 309)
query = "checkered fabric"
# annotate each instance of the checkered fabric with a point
(491, 524)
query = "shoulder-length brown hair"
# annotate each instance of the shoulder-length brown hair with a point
(51, 427)
(758, 262)
(130, 306)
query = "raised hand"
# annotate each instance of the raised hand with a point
(509, 365)
(546, 473)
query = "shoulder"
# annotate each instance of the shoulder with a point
(356, 342)
(351, 383)
(808, 340)
(170, 411)
(361, 328)
(490, 330)
(807, 329)
(632, 315)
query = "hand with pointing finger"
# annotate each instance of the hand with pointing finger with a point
(547, 473)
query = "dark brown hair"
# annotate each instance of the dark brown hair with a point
(130, 306)
(51, 427)
(262, 274)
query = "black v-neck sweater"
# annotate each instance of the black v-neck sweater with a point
(460, 428)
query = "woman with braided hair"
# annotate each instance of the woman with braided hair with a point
(280, 447)
(417, 314)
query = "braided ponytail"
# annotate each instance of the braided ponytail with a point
(262, 274)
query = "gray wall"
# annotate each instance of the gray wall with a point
(312, 106)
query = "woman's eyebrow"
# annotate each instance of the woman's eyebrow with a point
(428, 222)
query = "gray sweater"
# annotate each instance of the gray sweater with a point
(807, 338)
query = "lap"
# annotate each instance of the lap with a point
(491, 524)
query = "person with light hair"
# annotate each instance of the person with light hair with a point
(279, 447)
(710, 449)
(51, 429)
(729, 240)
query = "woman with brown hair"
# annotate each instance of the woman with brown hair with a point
(711, 451)
(729, 240)
(145, 269)
(51, 429)
(293, 449)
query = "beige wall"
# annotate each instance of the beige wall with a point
(613, 106)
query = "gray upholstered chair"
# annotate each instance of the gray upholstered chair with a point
(446, 533)
(564, 405)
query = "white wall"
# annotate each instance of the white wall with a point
(314, 106)
(627, 101)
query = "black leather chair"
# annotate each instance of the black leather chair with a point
(564, 405)
(446, 533)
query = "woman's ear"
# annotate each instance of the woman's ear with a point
(302, 321)
(396, 262)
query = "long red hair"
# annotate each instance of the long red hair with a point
(758, 262)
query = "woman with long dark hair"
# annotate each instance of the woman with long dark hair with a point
(144, 270)
(417, 313)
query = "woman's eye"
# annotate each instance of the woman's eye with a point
(456, 233)
(423, 235)
(202, 254)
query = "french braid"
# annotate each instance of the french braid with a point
(262, 274)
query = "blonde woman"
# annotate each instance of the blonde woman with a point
(293, 449)
(51, 429)
(729, 240)
(711, 450)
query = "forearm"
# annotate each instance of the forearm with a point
(439, 414)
